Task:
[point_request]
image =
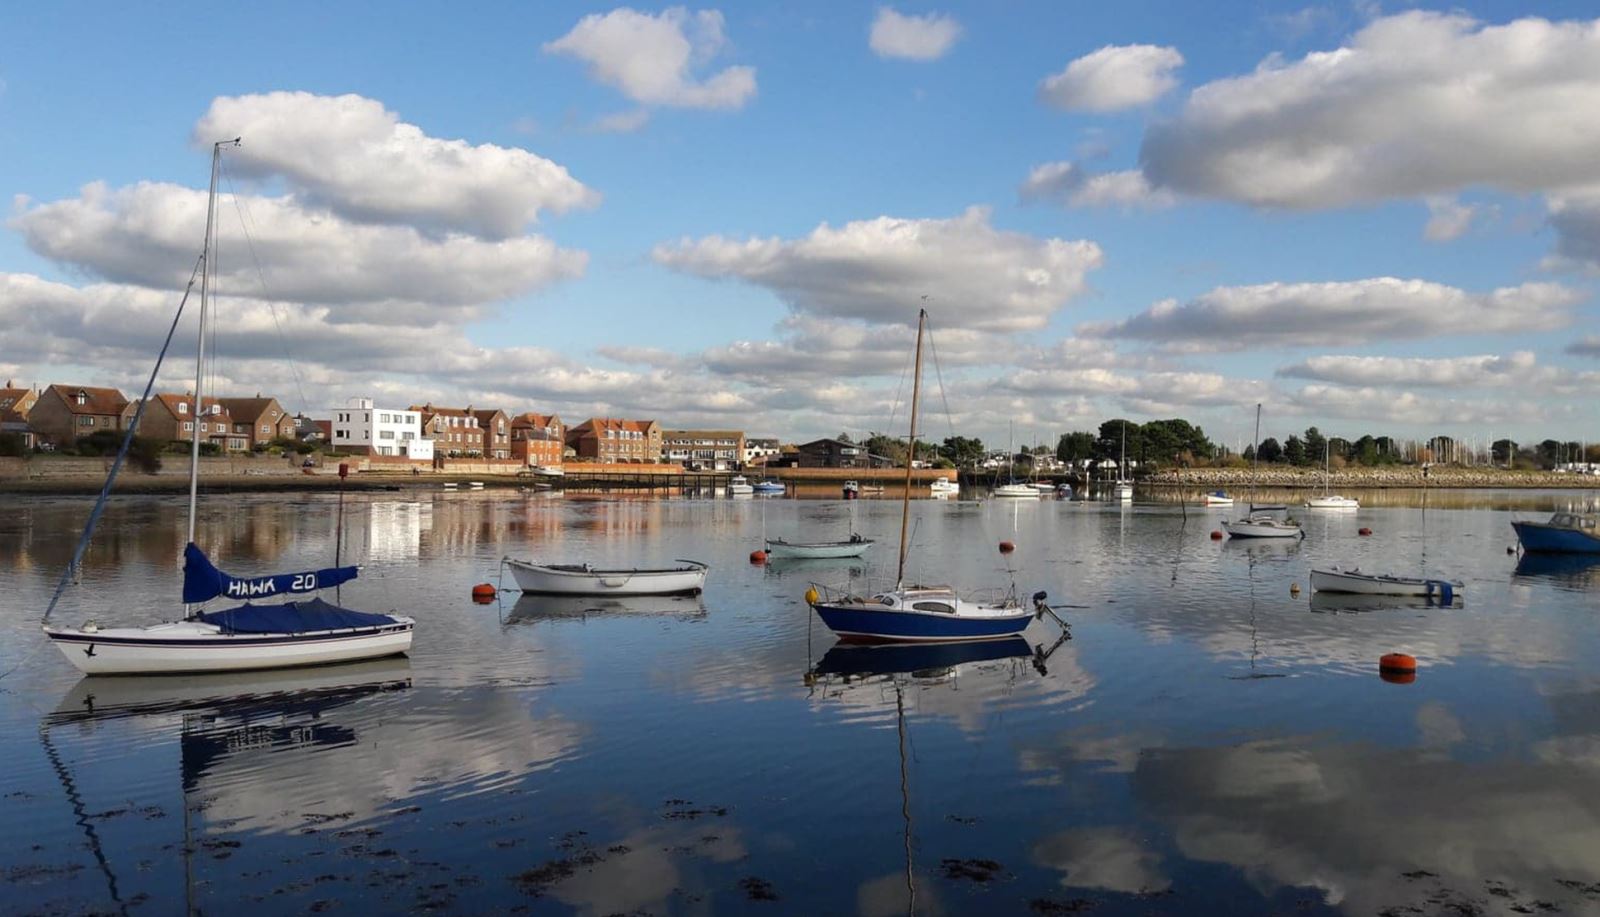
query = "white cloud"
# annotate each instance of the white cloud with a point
(879, 270)
(1375, 404)
(651, 59)
(1448, 219)
(1419, 103)
(1455, 372)
(622, 122)
(912, 37)
(149, 234)
(1341, 313)
(358, 159)
(1112, 78)
(1068, 185)
(1113, 859)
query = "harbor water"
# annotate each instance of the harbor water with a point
(1211, 740)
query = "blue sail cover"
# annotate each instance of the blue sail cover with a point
(291, 618)
(202, 581)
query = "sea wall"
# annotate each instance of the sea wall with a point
(1354, 478)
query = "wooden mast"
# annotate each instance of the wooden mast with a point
(911, 444)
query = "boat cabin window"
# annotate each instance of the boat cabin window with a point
(940, 607)
(886, 600)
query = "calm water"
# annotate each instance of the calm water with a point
(1207, 743)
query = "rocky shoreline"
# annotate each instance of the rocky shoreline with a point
(1399, 476)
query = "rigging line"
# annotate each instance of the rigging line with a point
(243, 210)
(81, 814)
(939, 375)
(899, 390)
(122, 455)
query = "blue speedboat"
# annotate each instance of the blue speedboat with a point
(1565, 533)
(770, 487)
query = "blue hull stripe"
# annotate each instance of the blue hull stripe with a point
(1541, 538)
(229, 641)
(866, 624)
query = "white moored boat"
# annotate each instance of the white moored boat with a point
(739, 485)
(249, 636)
(817, 550)
(1354, 581)
(1123, 492)
(582, 579)
(1016, 491)
(1333, 501)
(1216, 498)
(1261, 525)
(943, 485)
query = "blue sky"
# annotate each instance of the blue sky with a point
(1371, 218)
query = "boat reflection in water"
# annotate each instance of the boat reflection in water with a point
(1567, 571)
(915, 659)
(531, 608)
(1356, 603)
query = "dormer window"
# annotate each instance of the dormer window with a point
(82, 398)
(183, 407)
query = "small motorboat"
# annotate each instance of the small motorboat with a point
(738, 485)
(1065, 491)
(583, 579)
(1123, 492)
(1263, 525)
(769, 487)
(1216, 498)
(852, 490)
(871, 488)
(1334, 579)
(943, 485)
(854, 547)
(550, 471)
(1016, 491)
(1565, 533)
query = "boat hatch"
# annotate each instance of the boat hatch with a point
(940, 607)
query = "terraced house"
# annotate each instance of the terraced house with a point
(170, 418)
(715, 449)
(455, 431)
(538, 439)
(610, 439)
(66, 413)
(259, 420)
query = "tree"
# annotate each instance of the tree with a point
(1443, 448)
(1270, 451)
(844, 438)
(1316, 445)
(1294, 451)
(1502, 450)
(1365, 450)
(1109, 444)
(1549, 454)
(962, 451)
(13, 445)
(1075, 447)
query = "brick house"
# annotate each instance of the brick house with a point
(609, 439)
(170, 418)
(538, 439)
(455, 431)
(260, 420)
(496, 427)
(715, 449)
(16, 402)
(64, 413)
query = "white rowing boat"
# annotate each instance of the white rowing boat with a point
(583, 579)
(1334, 579)
(816, 550)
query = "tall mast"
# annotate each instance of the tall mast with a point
(206, 257)
(905, 499)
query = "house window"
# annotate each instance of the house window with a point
(386, 434)
(82, 398)
(266, 430)
(183, 407)
(188, 426)
(85, 421)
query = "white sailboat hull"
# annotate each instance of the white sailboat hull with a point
(944, 486)
(1016, 492)
(1333, 502)
(1122, 493)
(1354, 581)
(581, 579)
(817, 550)
(1262, 528)
(1214, 500)
(184, 647)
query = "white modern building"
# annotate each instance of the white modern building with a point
(759, 450)
(382, 431)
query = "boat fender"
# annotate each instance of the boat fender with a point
(483, 592)
(1216, 535)
(1399, 663)
(1006, 547)
(1294, 588)
(90, 627)
(758, 557)
(1363, 531)
(811, 596)
(1445, 591)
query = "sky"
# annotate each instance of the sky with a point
(1369, 217)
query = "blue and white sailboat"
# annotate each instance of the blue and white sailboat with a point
(914, 613)
(1565, 533)
(248, 636)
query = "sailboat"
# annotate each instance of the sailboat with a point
(248, 636)
(1123, 491)
(1013, 488)
(1259, 523)
(916, 613)
(1328, 500)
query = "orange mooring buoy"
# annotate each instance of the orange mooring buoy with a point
(484, 592)
(758, 557)
(1399, 663)
(1363, 531)
(1216, 535)
(1007, 547)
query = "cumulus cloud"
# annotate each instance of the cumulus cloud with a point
(1470, 371)
(149, 233)
(912, 37)
(1379, 404)
(1066, 184)
(1112, 78)
(1419, 103)
(358, 159)
(651, 58)
(1341, 313)
(878, 270)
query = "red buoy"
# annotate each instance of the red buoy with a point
(1363, 531)
(1397, 678)
(484, 592)
(1399, 663)
(758, 557)
(1007, 547)
(1216, 535)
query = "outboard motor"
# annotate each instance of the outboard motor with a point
(1039, 599)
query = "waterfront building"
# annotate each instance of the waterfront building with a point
(169, 417)
(455, 432)
(833, 453)
(496, 427)
(719, 450)
(609, 439)
(538, 439)
(758, 449)
(363, 427)
(259, 420)
(65, 413)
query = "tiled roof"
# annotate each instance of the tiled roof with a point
(248, 410)
(97, 400)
